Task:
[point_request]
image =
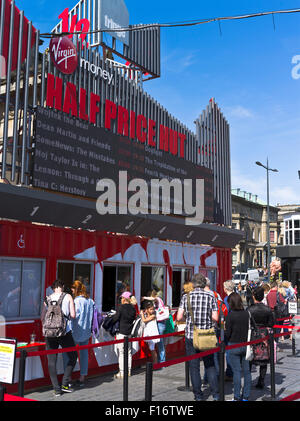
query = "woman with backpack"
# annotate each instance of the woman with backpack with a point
(125, 314)
(82, 325)
(58, 309)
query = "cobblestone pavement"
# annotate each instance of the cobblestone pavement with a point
(167, 381)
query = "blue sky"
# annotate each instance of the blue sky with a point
(247, 68)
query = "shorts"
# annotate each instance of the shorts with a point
(151, 345)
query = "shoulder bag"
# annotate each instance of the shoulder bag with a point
(249, 349)
(261, 350)
(203, 339)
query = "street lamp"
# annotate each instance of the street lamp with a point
(268, 213)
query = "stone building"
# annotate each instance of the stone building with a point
(250, 215)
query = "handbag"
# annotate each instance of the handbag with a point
(170, 328)
(249, 349)
(203, 339)
(261, 350)
(162, 312)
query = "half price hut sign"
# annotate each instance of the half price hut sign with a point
(129, 124)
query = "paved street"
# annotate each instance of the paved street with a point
(167, 381)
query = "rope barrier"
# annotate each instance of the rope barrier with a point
(148, 338)
(221, 349)
(292, 397)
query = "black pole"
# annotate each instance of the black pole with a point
(125, 373)
(187, 386)
(2, 392)
(272, 364)
(222, 371)
(148, 387)
(293, 346)
(222, 360)
(22, 368)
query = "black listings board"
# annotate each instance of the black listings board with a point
(70, 156)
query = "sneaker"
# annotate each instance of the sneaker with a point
(67, 389)
(57, 393)
(118, 375)
(78, 383)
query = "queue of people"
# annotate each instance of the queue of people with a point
(200, 309)
(75, 328)
(261, 312)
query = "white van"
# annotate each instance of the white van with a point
(240, 277)
(253, 274)
(244, 277)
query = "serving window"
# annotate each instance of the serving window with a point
(153, 278)
(211, 274)
(116, 280)
(180, 276)
(68, 272)
(21, 286)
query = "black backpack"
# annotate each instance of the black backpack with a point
(138, 327)
(281, 309)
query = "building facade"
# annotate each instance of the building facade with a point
(65, 126)
(289, 244)
(249, 214)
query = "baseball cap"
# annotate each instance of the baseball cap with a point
(126, 294)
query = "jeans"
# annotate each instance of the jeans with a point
(65, 342)
(83, 358)
(195, 372)
(239, 364)
(161, 346)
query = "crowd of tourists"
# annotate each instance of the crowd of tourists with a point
(201, 309)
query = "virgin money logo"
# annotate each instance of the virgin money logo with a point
(63, 54)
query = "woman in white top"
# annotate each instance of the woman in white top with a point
(65, 341)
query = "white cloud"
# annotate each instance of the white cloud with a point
(239, 112)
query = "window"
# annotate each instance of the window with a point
(21, 286)
(296, 223)
(234, 258)
(180, 276)
(211, 275)
(259, 258)
(272, 236)
(153, 277)
(297, 236)
(68, 272)
(116, 280)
